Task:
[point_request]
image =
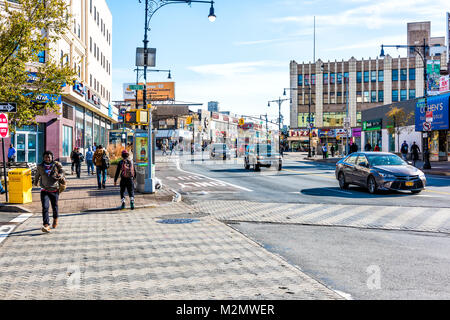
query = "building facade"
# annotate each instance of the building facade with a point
(86, 113)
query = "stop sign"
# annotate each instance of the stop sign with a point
(4, 131)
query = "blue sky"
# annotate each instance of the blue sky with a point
(242, 59)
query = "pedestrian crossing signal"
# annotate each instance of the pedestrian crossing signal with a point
(131, 117)
(241, 121)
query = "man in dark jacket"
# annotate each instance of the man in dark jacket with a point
(49, 173)
(415, 153)
(404, 150)
(125, 169)
(368, 147)
(77, 159)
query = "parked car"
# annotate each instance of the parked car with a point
(219, 151)
(262, 155)
(379, 171)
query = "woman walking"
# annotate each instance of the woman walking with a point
(125, 169)
(49, 173)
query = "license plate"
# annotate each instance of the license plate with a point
(409, 184)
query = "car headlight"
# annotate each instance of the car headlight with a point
(422, 175)
(386, 175)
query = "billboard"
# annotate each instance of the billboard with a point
(158, 91)
(437, 108)
(127, 93)
(433, 76)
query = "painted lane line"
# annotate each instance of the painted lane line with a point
(440, 192)
(22, 218)
(403, 218)
(5, 230)
(328, 176)
(219, 181)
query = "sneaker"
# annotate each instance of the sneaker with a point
(104, 186)
(122, 206)
(55, 223)
(99, 188)
(132, 205)
(46, 228)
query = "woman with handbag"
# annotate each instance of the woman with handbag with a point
(51, 176)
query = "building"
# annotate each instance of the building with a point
(86, 113)
(213, 106)
(367, 83)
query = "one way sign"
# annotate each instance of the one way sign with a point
(8, 107)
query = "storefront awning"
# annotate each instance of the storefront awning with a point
(161, 134)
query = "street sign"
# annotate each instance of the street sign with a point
(136, 87)
(4, 130)
(429, 116)
(8, 107)
(426, 126)
(123, 110)
(311, 125)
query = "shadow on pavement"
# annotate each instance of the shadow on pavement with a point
(355, 192)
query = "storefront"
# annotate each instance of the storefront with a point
(299, 139)
(373, 133)
(29, 142)
(434, 124)
(327, 137)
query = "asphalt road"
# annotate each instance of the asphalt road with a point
(298, 182)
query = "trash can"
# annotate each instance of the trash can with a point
(19, 186)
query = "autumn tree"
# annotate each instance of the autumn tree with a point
(28, 31)
(399, 121)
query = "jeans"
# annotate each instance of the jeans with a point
(78, 169)
(101, 180)
(90, 166)
(45, 198)
(404, 156)
(126, 183)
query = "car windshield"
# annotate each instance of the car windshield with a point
(263, 148)
(385, 160)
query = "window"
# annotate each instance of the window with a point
(67, 141)
(95, 50)
(403, 96)
(313, 79)
(412, 74)
(306, 79)
(90, 80)
(394, 95)
(366, 96)
(358, 96)
(79, 31)
(98, 18)
(333, 119)
(339, 97)
(62, 58)
(300, 80)
(373, 96)
(373, 76)
(359, 77)
(325, 78)
(41, 57)
(380, 96)
(366, 76)
(67, 112)
(346, 77)
(339, 78)
(403, 74)
(95, 13)
(90, 6)
(352, 159)
(333, 78)
(395, 75)
(412, 93)
(332, 97)
(303, 119)
(380, 75)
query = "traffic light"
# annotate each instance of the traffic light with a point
(241, 121)
(131, 117)
(136, 117)
(189, 120)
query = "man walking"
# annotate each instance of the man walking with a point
(324, 151)
(125, 169)
(415, 153)
(90, 161)
(101, 161)
(404, 150)
(49, 173)
(332, 151)
(77, 159)
(368, 147)
(11, 153)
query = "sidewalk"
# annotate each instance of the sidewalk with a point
(83, 195)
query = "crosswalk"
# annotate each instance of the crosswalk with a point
(362, 216)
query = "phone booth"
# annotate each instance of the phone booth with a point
(140, 156)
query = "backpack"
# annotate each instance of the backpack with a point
(404, 148)
(105, 161)
(127, 169)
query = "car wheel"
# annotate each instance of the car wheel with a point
(280, 166)
(257, 167)
(342, 183)
(415, 191)
(372, 185)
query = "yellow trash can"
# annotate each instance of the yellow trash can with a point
(19, 186)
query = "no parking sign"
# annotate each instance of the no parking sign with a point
(4, 130)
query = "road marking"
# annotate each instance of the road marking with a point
(436, 219)
(328, 176)
(346, 192)
(5, 230)
(404, 217)
(344, 215)
(434, 191)
(201, 175)
(374, 216)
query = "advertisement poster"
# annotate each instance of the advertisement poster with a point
(433, 76)
(141, 146)
(439, 107)
(127, 93)
(444, 84)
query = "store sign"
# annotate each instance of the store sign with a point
(372, 125)
(215, 116)
(110, 110)
(343, 133)
(330, 133)
(32, 77)
(226, 118)
(356, 132)
(158, 91)
(46, 98)
(78, 87)
(127, 93)
(301, 133)
(92, 98)
(438, 106)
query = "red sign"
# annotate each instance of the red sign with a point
(215, 115)
(4, 130)
(225, 118)
(429, 116)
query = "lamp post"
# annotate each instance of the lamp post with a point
(422, 55)
(309, 116)
(279, 102)
(151, 7)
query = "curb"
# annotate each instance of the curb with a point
(5, 207)
(153, 205)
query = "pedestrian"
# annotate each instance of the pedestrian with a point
(324, 151)
(101, 161)
(404, 150)
(415, 153)
(90, 161)
(11, 153)
(72, 155)
(377, 148)
(94, 147)
(125, 169)
(164, 149)
(368, 147)
(354, 148)
(77, 159)
(332, 151)
(49, 173)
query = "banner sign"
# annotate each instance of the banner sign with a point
(438, 105)
(433, 76)
(372, 125)
(128, 94)
(330, 133)
(443, 84)
(158, 91)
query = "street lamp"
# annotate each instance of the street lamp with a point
(422, 55)
(279, 102)
(151, 7)
(309, 116)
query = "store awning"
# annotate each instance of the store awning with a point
(161, 134)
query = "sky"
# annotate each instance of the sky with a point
(242, 59)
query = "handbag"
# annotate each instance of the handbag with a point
(62, 185)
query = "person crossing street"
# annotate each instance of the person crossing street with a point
(101, 161)
(125, 169)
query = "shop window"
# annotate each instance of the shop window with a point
(67, 141)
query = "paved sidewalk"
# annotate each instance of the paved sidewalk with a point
(131, 255)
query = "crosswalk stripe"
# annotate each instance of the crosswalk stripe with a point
(436, 219)
(319, 213)
(366, 220)
(403, 218)
(352, 211)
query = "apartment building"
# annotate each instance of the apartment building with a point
(86, 112)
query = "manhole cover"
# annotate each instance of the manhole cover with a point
(177, 221)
